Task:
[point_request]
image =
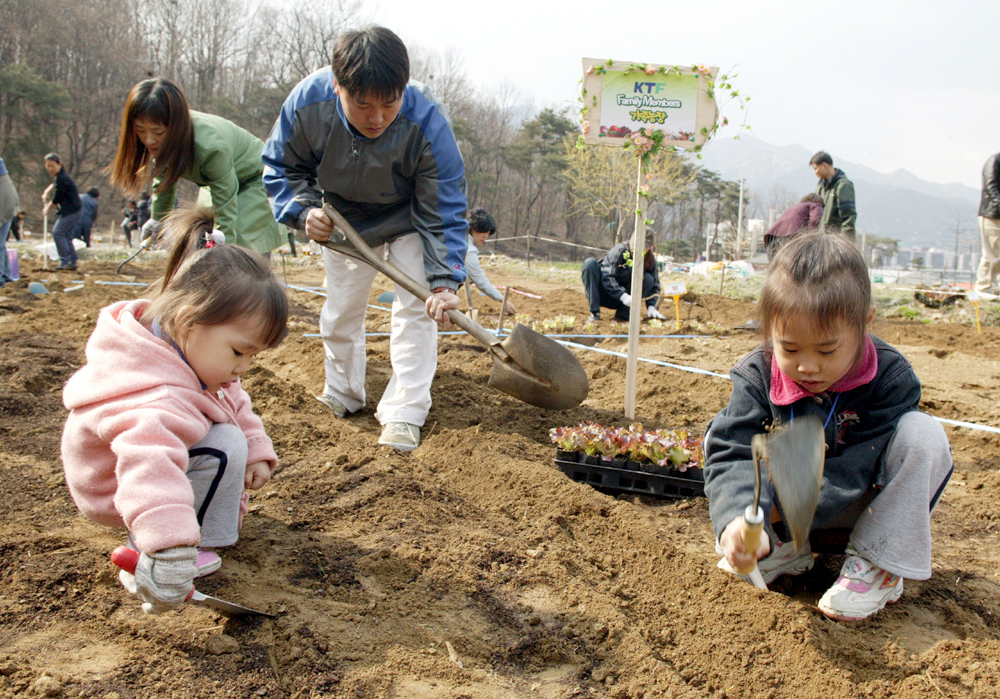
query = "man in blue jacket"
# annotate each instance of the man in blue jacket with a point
(381, 151)
(88, 214)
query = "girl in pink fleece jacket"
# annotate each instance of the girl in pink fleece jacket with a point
(161, 438)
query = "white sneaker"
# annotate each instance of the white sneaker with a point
(861, 590)
(783, 560)
(400, 435)
(338, 408)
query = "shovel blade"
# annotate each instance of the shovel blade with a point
(795, 456)
(228, 608)
(541, 372)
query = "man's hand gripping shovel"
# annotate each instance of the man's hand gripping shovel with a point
(794, 456)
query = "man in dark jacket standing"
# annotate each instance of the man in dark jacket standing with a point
(88, 214)
(608, 283)
(989, 227)
(839, 210)
(62, 194)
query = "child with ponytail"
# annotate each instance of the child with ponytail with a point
(161, 437)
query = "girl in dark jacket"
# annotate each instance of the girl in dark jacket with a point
(886, 463)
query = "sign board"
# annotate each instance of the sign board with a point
(676, 289)
(619, 98)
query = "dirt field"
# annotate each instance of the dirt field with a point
(471, 568)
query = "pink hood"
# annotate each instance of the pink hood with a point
(136, 408)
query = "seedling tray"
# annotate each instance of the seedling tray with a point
(605, 476)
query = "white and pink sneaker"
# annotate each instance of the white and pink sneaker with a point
(861, 590)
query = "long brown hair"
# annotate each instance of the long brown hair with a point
(223, 283)
(820, 275)
(160, 101)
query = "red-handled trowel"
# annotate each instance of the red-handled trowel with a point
(127, 559)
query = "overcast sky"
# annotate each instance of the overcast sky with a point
(890, 84)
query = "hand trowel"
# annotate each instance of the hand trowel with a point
(127, 559)
(794, 454)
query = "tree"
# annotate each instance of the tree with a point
(603, 181)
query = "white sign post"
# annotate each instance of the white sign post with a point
(645, 106)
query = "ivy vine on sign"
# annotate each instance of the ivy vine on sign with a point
(649, 107)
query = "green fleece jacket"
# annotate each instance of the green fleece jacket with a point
(228, 167)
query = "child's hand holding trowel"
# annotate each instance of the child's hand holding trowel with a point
(734, 549)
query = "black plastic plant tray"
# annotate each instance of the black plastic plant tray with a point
(680, 484)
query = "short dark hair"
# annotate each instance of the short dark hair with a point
(813, 197)
(54, 158)
(820, 158)
(371, 62)
(480, 221)
(94, 192)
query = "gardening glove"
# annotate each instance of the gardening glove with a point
(162, 579)
(652, 312)
(626, 300)
(150, 229)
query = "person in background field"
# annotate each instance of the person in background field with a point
(886, 463)
(608, 283)
(62, 193)
(840, 213)
(381, 151)
(989, 228)
(88, 214)
(806, 214)
(136, 215)
(15, 226)
(9, 205)
(481, 227)
(161, 437)
(162, 141)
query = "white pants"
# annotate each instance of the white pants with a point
(412, 337)
(989, 265)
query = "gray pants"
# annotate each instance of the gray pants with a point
(217, 469)
(892, 527)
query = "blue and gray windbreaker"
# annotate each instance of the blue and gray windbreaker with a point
(410, 178)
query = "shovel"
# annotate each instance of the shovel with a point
(795, 456)
(127, 559)
(526, 365)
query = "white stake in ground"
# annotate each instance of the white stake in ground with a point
(45, 240)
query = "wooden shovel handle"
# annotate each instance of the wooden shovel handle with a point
(407, 282)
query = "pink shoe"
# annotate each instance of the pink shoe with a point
(863, 589)
(208, 561)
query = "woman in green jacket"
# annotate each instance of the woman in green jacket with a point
(162, 141)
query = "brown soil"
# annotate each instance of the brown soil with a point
(471, 567)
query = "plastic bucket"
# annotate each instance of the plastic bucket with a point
(12, 264)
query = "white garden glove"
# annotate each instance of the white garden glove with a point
(626, 300)
(652, 312)
(162, 579)
(150, 229)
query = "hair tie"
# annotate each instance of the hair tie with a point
(216, 237)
